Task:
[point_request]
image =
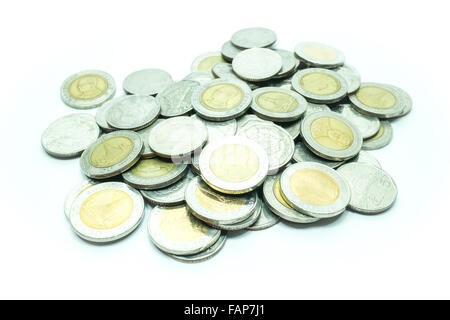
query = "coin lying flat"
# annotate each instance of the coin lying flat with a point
(229, 51)
(221, 99)
(132, 112)
(249, 119)
(331, 136)
(107, 212)
(200, 76)
(175, 99)
(175, 230)
(100, 116)
(225, 71)
(266, 219)
(70, 199)
(147, 152)
(289, 63)
(234, 165)
(319, 55)
(206, 61)
(315, 189)
(373, 190)
(351, 75)
(368, 126)
(303, 154)
(407, 101)
(147, 82)
(111, 154)
(319, 85)
(218, 129)
(87, 89)
(177, 137)
(70, 135)
(381, 139)
(366, 157)
(253, 38)
(257, 64)
(205, 254)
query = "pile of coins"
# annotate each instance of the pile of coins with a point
(252, 135)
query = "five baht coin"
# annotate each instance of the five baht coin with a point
(205, 254)
(206, 61)
(315, 189)
(70, 135)
(381, 139)
(319, 55)
(234, 165)
(319, 85)
(200, 76)
(147, 82)
(303, 154)
(175, 99)
(289, 63)
(71, 197)
(87, 89)
(368, 126)
(257, 64)
(218, 129)
(229, 51)
(111, 154)
(253, 38)
(331, 136)
(147, 152)
(373, 190)
(221, 99)
(266, 219)
(366, 157)
(351, 75)
(107, 212)
(175, 230)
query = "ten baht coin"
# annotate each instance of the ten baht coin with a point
(147, 152)
(175, 99)
(257, 64)
(253, 38)
(206, 61)
(147, 82)
(266, 219)
(407, 101)
(319, 55)
(71, 197)
(381, 139)
(368, 126)
(303, 154)
(205, 254)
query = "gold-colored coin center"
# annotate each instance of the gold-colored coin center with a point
(222, 97)
(179, 225)
(331, 133)
(217, 202)
(111, 152)
(88, 87)
(276, 101)
(378, 135)
(153, 168)
(320, 83)
(279, 194)
(319, 52)
(376, 97)
(208, 63)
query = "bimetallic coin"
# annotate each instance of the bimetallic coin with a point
(218, 130)
(407, 101)
(225, 71)
(381, 139)
(315, 189)
(155, 173)
(234, 165)
(274, 199)
(373, 190)
(229, 51)
(111, 154)
(70, 135)
(266, 219)
(100, 116)
(365, 157)
(319, 85)
(257, 64)
(205, 254)
(200, 76)
(175, 99)
(351, 75)
(289, 63)
(147, 152)
(319, 55)
(206, 61)
(107, 212)
(303, 154)
(132, 112)
(331, 136)
(368, 126)
(147, 82)
(221, 99)
(175, 230)
(87, 89)
(253, 38)
(74, 194)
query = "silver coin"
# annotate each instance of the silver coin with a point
(284, 83)
(221, 99)
(147, 82)
(314, 107)
(177, 137)
(147, 152)
(303, 154)
(87, 89)
(70, 135)
(132, 112)
(315, 189)
(366, 157)
(229, 51)
(171, 195)
(107, 212)
(100, 116)
(407, 102)
(373, 190)
(319, 85)
(213, 207)
(276, 141)
(319, 55)
(195, 162)
(278, 104)
(234, 165)
(205, 254)
(248, 119)
(381, 139)
(379, 100)
(351, 75)
(257, 64)
(218, 130)
(111, 154)
(331, 136)
(289, 63)
(175, 99)
(274, 199)
(266, 219)
(225, 71)
(293, 128)
(368, 126)
(155, 173)
(175, 230)
(70, 199)
(206, 61)
(200, 76)
(253, 38)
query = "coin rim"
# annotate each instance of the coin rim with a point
(203, 56)
(160, 95)
(126, 87)
(273, 220)
(202, 255)
(382, 141)
(356, 113)
(244, 46)
(329, 163)
(251, 76)
(339, 61)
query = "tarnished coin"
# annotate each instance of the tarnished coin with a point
(155, 173)
(175, 230)
(147, 82)
(147, 152)
(213, 207)
(278, 104)
(200, 76)
(331, 136)
(266, 219)
(234, 165)
(315, 189)
(274, 199)
(319, 55)
(319, 85)
(132, 112)
(351, 75)
(303, 154)
(100, 116)
(177, 137)
(366, 157)
(107, 212)
(70, 135)
(206, 61)
(221, 99)
(74, 194)
(373, 190)
(381, 139)
(368, 126)
(407, 101)
(253, 38)
(87, 89)
(225, 71)
(218, 129)
(229, 51)
(175, 99)
(111, 154)
(289, 63)
(257, 64)
(205, 254)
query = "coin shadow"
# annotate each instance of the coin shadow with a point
(319, 223)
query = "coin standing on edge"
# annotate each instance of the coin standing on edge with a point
(257, 64)
(381, 139)
(147, 82)
(71, 197)
(175, 99)
(266, 219)
(368, 126)
(319, 55)
(253, 38)
(206, 61)
(303, 154)
(205, 254)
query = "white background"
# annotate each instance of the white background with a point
(403, 253)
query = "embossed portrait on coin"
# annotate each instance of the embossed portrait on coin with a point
(222, 97)
(277, 102)
(88, 87)
(179, 225)
(331, 133)
(111, 152)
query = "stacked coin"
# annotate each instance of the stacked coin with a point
(252, 135)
